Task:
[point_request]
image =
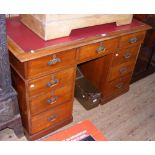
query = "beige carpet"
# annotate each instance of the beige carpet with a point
(128, 117)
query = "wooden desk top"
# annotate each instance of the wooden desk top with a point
(26, 45)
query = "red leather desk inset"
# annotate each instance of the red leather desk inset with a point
(30, 41)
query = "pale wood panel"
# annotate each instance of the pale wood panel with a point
(46, 26)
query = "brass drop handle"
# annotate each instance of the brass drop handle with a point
(127, 55)
(52, 83)
(100, 49)
(52, 100)
(133, 40)
(123, 70)
(52, 118)
(119, 85)
(54, 61)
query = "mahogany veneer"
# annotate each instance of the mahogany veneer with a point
(43, 72)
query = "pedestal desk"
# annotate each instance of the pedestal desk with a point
(43, 72)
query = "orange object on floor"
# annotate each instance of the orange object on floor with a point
(82, 131)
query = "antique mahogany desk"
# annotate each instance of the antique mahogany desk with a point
(43, 72)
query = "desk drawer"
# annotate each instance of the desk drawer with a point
(132, 39)
(51, 63)
(51, 117)
(116, 86)
(125, 55)
(121, 70)
(52, 81)
(97, 49)
(49, 100)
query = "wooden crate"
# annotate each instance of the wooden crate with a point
(51, 26)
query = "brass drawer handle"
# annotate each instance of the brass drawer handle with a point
(53, 82)
(52, 100)
(100, 49)
(127, 55)
(119, 85)
(133, 40)
(54, 61)
(123, 70)
(52, 118)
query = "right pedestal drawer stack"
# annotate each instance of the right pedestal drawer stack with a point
(122, 65)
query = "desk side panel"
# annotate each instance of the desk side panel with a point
(20, 86)
(17, 65)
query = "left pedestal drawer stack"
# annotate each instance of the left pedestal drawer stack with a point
(45, 89)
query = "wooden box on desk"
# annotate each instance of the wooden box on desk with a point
(51, 26)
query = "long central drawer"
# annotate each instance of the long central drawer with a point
(97, 49)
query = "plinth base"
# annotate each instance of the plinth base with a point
(14, 124)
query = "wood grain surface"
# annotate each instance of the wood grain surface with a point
(128, 117)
